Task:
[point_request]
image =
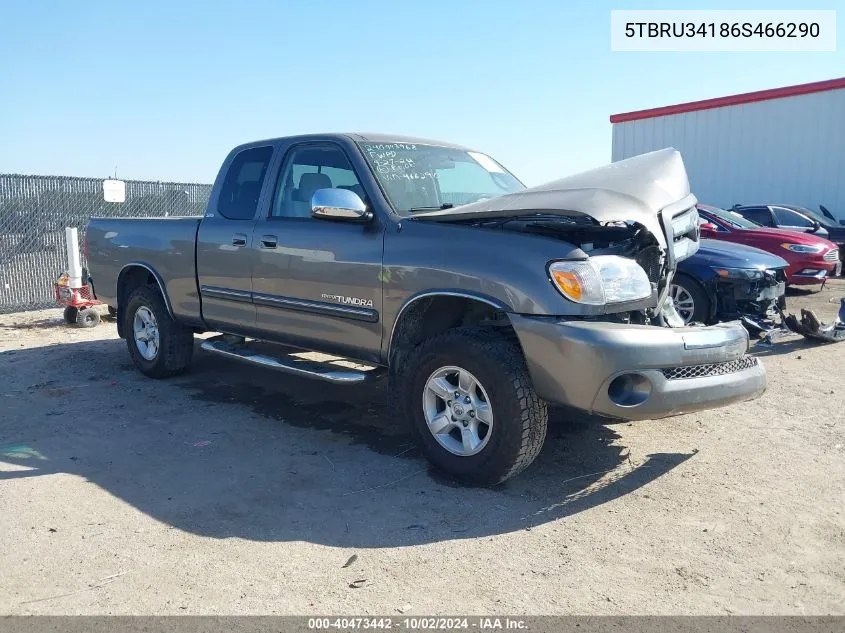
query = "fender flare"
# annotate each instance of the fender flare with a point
(491, 301)
(162, 288)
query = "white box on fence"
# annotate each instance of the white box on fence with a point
(114, 191)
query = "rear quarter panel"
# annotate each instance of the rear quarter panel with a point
(166, 246)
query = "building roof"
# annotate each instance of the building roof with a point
(719, 102)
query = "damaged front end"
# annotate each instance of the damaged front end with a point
(638, 209)
(756, 300)
(757, 303)
(626, 227)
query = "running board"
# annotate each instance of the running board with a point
(328, 368)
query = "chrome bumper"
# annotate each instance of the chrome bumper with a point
(638, 371)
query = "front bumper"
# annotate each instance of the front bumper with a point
(812, 271)
(638, 371)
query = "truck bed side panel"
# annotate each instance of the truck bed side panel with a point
(165, 245)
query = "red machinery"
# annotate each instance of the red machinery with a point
(79, 303)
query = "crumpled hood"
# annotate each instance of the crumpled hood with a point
(634, 189)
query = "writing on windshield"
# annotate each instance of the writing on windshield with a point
(422, 177)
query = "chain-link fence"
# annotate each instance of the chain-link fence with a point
(34, 211)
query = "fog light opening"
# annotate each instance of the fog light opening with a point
(629, 390)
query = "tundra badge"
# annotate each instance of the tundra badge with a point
(350, 301)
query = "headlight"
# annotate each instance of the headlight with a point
(600, 280)
(739, 273)
(802, 248)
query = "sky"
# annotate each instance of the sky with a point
(163, 90)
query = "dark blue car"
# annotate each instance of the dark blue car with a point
(725, 281)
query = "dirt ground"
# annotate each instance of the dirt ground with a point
(233, 490)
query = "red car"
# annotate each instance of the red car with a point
(811, 259)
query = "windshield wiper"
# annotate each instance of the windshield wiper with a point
(442, 207)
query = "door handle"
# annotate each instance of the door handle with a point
(239, 239)
(269, 241)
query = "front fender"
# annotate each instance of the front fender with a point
(507, 268)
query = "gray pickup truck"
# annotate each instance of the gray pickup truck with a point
(345, 257)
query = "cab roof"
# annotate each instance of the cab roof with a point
(360, 137)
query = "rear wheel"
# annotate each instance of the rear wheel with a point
(691, 301)
(470, 400)
(87, 317)
(159, 346)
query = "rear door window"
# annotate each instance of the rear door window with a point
(760, 215)
(243, 182)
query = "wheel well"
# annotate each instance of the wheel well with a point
(429, 316)
(130, 278)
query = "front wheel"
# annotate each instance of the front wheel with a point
(159, 346)
(471, 402)
(87, 317)
(691, 301)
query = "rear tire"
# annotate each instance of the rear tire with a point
(159, 346)
(87, 317)
(500, 391)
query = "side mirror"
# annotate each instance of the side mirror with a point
(339, 204)
(708, 227)
(816, 227)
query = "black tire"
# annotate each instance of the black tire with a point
(70, 315)
(87, 317)
(701, 300)
(520, 416)
(112, 313)
(176, 342)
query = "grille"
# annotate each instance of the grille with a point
(649, 259)
(832, 255)
(710, 369)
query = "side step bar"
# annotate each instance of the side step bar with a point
(296, 363)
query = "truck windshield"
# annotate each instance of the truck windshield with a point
(419, 178)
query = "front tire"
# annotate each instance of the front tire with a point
(495, 426)
(159, 346)
(691, 301)
(87, 317)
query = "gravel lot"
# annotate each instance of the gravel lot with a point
(233, 490)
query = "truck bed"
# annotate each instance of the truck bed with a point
(164, 245)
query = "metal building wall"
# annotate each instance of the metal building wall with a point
(789, 150)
